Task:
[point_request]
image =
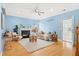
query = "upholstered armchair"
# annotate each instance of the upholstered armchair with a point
(16, 37)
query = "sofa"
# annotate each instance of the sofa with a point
(43, 35)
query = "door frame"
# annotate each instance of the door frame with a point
(73, 31)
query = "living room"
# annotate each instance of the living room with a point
(32, 29)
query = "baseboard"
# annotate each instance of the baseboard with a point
(67, 41)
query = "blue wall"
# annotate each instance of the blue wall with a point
(11, 21)
(55, 23)
(50, 24)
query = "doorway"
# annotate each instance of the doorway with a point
(67, 30)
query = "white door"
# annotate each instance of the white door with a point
(67, 30)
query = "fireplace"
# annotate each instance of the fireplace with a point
(25, 33)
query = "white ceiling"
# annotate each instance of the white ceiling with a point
(26, 10)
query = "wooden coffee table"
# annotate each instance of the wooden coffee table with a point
(33, 38)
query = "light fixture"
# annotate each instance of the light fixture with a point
(64, 10)
(38, 11)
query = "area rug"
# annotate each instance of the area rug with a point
(34, 46)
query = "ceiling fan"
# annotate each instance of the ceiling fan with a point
(38, 11)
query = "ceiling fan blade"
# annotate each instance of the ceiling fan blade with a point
(42, 12)
(39, 14)
(36, 11)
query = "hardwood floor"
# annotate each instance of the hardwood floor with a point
(60, 48)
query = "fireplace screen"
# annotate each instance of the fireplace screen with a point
(25, 33)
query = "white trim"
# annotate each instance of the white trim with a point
(67, 41)
(71, 21)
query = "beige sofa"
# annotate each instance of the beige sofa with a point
(42, 35)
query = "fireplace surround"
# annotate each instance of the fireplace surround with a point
(25, 33)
